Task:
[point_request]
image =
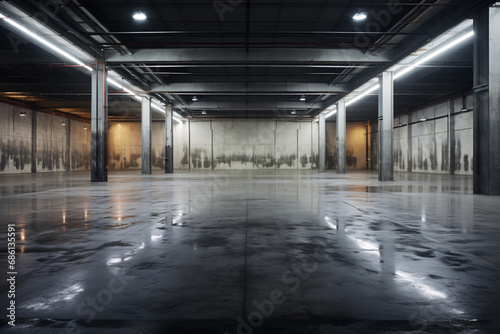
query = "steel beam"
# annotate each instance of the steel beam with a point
(386, 125)
(341, 137)
(322, 142)
(487, 102)
(250, 106)
(228, 56)
(252, 87)
(45, 88)
(169, 143)
(146, 116)
(99, 125)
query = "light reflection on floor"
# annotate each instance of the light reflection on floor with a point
(345, 253)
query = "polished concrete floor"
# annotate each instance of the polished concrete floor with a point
(252, 252)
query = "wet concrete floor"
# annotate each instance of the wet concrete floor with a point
(251, 252)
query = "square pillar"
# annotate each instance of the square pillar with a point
(322, 143)
(146, 136)
(341, 137)
(386, 126)
(99, 125)
(487, 102)
(169, 142)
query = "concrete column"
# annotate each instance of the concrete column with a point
(386, 126)
(33, 141)
(146, 135)
(67, 162)
(99, 125)
(410, 145)
(487, 102)
(322, 143)
(451, 139)
(169, 143)
(341, 135)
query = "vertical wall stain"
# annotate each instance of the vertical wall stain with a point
(458, 156)
(351, 160)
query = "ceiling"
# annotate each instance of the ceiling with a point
(239, 58)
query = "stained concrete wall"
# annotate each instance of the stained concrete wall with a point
(355, 145)
(57, 147)
(424, 146)
(15, 140)
(221, 144)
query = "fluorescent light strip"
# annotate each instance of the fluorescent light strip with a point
(44, 42)
(362, 95)
(434, 55)
(76, 61)
(408, 69)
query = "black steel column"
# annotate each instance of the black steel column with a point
(487, 102)
(99, 125)
(169, 143)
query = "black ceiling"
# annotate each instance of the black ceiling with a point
(240, 58)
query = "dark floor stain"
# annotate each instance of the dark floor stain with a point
(428, 254)
(211, 241)
(145, 266)
(435, 276)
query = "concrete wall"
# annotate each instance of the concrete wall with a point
(15, 140)
(355, 145)
(252, 144)
(125, 146)
(424, 146)
(57, 147)
(221, 144)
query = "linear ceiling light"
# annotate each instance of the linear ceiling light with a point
(454, 37)
(43, 41)
(73, 59)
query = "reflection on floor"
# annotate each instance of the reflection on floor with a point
(252, 252)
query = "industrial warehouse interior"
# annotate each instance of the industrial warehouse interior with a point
(244, 166)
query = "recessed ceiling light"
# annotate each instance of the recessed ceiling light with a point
(303, 98)
(139, 16)
(195, 99)
(359, 16)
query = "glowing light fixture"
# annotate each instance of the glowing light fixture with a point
(303, 98)
(60, 52)
(194, 99)
(22, 114)
(359, 16)
(458, 35)
(139, 16)
(43, 41)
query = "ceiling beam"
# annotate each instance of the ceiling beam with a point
(240, 56)
(249, 106)
(243, 88)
